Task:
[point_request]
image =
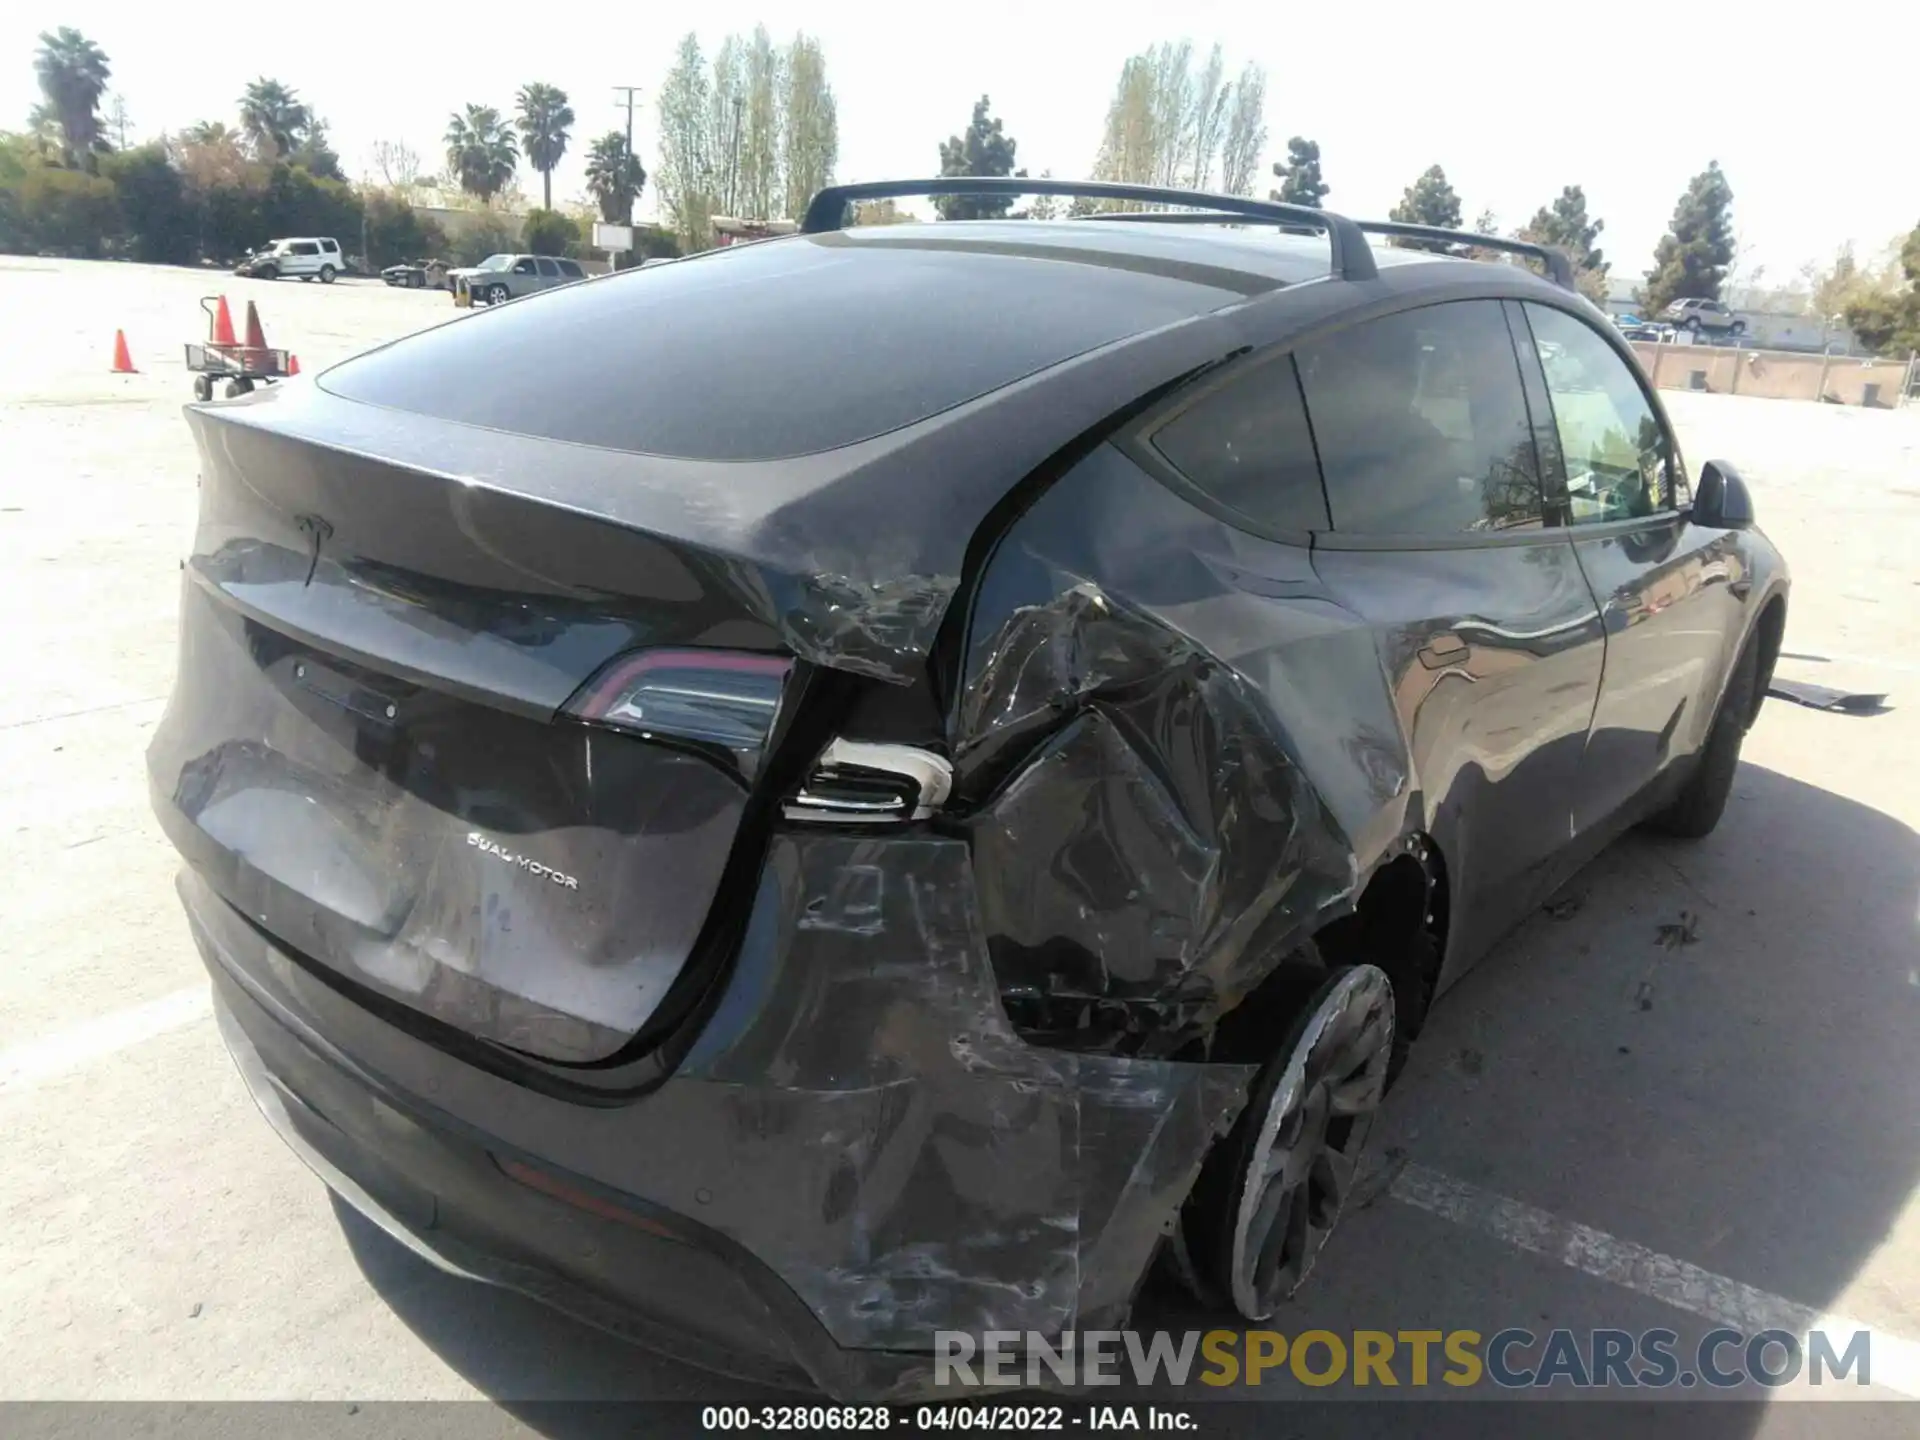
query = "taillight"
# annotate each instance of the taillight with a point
(718, 698)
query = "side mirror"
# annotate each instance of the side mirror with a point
(1720, 500)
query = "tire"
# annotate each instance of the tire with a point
(498, 295)
(1739, 327)
(203, 387)
(238, 387)
(1270, 1194)
(1693, 323)
(327, 272)
(306, 279)
(268, 272)
(1695, 811)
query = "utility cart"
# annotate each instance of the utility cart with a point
(242, 366)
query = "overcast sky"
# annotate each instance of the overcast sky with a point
(1801, 105)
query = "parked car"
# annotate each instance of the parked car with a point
(847, 840)
(308, 257)
(500, 278)
(1703, 315)
(1641, 330)
(419, 275)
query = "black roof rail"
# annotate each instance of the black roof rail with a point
(1559, 268)
(1350, 256)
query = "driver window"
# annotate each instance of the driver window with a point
(1618, 457)
(523, 267)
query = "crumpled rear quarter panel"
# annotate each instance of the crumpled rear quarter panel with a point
(1176, 753)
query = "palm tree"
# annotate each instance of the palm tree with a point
(73, 75)
(272, 118)
(615, 176)
(480, 151)
(209, 132)
(545, 117)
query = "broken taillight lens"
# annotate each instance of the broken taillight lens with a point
(706, 698)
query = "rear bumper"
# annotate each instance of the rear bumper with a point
(856, 1153)
(628, 1269)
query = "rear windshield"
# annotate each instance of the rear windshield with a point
(778, 349)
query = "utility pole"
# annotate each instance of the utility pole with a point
(630, 91)
(733, 162)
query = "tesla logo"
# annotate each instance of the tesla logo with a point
(525, 862)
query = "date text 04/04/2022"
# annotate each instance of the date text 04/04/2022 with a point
(925, 1418)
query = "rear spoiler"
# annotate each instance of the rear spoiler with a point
(1350, 257)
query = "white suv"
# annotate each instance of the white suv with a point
(306, 257)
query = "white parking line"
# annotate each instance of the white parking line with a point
(1895, 1359)
(25, 1065)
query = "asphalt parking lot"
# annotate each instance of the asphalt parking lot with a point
(1685, 1096)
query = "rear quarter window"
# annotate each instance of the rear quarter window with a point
(1247, 445)
(777, 349)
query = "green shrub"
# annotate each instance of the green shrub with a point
(547, 232)
(61, 212)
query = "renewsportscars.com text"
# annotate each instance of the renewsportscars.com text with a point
(1512, 1359)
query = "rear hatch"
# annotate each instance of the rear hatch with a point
(485, 635)
(402, 744)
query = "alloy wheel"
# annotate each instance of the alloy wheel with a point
(1303, 1159)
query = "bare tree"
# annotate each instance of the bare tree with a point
(1246, 133)
(1167, 125)
(1209, 114)
(810, 125)
(759, 193)
(687, 182)
(397, 162)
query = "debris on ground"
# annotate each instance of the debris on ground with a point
(1824, 697)
(1470, 1061)
(1643, 995)
(1565, 907)
(1685, 931)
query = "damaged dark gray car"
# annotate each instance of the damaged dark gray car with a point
(877, 781)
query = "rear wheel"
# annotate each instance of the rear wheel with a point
(1271, 1193)
(203, 387)
(327, 272)
(238, 387)
(1698, 807)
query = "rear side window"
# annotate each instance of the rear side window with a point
(1248, 446)
(1422, 424)
(332, 247)
(548, 269)
(569, 269)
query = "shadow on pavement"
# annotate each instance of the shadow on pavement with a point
(1706, 1049)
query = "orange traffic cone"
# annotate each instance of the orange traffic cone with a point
(256, 337)
(122, 361)
(222, 324)
(293, 364)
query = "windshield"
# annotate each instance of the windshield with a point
(496, 262)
